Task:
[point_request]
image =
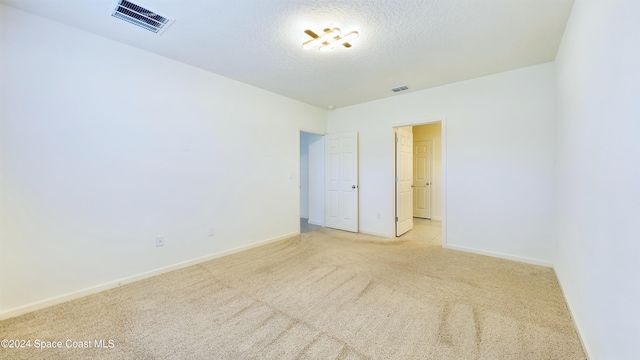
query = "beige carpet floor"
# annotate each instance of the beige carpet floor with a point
(326, 294)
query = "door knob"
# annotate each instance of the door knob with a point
(413, 186)
(353, 186)
(427, 184)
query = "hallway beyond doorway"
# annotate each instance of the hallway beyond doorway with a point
(305, 227)
(425, 230)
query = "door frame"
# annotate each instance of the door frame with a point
(443, 123)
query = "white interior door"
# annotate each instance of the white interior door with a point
(341, 181)
(422, 179)
(404, 180)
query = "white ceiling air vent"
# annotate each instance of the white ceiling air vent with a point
(400, 88)
(141, 16)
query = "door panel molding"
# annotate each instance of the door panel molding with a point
(341, 181)
(422, 178)
(404, 180)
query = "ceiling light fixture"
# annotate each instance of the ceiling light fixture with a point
(330, 39)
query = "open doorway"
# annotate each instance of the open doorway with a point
(420, 182)
(311, 181)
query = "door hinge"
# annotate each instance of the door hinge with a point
(396, 218)
(397, 179)
(397, 140)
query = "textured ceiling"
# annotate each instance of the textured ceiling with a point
(417, 43)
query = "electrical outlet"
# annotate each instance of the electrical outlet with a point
(160, 241)
(212, 231)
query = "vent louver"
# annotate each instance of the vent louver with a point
(400, 88)
(141, 16)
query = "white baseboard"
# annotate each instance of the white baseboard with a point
(316, 222)
(436, 218)
(127, 280)
(499, 255)
(585, 348)
(374, 233)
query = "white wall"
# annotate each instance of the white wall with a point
(312, 178)
(598, 165)
(316, 179)
(104, 147)
(499, 160)
(304, 175)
